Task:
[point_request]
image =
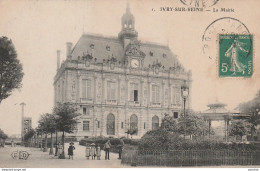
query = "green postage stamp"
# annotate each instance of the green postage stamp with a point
(235, 55)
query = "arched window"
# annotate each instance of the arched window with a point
(134, 123)
(155, 122)
(110, 124)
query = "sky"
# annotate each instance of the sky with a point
(39, 28)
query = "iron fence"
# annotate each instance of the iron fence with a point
(190, 158)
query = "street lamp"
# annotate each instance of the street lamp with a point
(184, 94)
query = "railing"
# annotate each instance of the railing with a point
(153, 104)
(111, 102)
(134, 103)
(85, 100)
(190, 158)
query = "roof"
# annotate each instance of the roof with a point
(104, 47)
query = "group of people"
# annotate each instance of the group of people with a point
(91, 150)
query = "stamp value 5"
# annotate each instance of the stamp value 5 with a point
(235, 55)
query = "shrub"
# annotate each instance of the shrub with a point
(159, 139)
(163, 140)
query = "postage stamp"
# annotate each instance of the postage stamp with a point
(200, 3)
(235, 55)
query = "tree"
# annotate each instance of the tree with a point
(3, 137)
(169, 123)
(195, 125)
(66, 119)
(2, 134)
(252, 108)
(47, 124)
(28, 136)
(239, 128)
(11, 70)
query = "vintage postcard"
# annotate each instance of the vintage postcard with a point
(127, 84)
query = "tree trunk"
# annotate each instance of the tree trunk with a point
(62, 156)
(56, 145)
(51, 149)
(45, 145)
(41, 142)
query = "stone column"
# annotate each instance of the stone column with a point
(78, 87)
(141, 92)
(95, 90)
(118, 90)
(163, 84)
(102, 122)
(103, 90)
(148, 104)
(126, 89)
(170, 94)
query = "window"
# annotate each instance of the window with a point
(122, 125)
(176, 95)
(164, 55)
(151, 53)
(85, 125)
(108, 48)
(111, 90)
(134, 92)
(110, 124)
(86, 89)
(144, 125)
(98, 124)
(92, 46)
(134, 123)
(155, 94)
(85, 111)
(155, 122)
(175, 115)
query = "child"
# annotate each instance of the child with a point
(93, 151)
(87, 151)
(98, 152)
(70, 150)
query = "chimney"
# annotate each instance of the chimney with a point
(58, 59)
(69, 48)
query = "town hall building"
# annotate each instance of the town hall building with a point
(120, 84)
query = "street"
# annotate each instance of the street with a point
(39, 159)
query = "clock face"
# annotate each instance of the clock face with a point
(134, 63)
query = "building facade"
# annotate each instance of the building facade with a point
(119, 83)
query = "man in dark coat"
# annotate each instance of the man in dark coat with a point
(120, 147)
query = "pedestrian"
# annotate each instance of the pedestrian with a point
(93, 151)
(107, 148)
(98, 152)
(120, 147)
(60, 148)
(87, 151)
(70, 150)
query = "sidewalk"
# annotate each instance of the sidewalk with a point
(39, 159)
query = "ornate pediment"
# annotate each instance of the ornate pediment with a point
(133, 49)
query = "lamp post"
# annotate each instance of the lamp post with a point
(184, 94)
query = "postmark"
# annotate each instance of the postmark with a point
(235, 57)
(225, 25)
(199, 3)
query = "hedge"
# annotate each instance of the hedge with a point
(163, 140)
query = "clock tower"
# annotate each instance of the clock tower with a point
(128, 32)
